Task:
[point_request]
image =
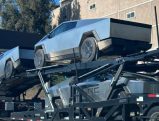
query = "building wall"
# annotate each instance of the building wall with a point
(143, 11)
(55, 15)
(102, 8)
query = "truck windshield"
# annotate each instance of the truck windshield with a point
(101, 78)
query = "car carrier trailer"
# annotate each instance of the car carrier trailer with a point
(138, 107)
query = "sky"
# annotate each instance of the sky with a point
(56, 2)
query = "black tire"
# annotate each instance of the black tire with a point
(88, 49)
(9, 69)
(59, 103)
(153, 113)
(39, 58)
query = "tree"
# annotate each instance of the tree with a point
(27, 16)
(69, 12)
(9, 17)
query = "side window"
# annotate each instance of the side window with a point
(56, 31)
(103, 77)
(59, 29)
(70, 25)
(63, 27)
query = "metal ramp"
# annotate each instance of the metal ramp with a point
(45, 88)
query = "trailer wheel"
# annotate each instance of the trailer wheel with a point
(153, 114)
(88, 49)
(8, 70)
(122, 94)
(39, 58)
(59, 103)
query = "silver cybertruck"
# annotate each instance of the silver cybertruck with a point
(15, 60)
(98, 87)
(88, 39)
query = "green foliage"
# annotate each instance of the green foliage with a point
(27, 16)
(57, 79)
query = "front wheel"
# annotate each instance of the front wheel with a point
(39, 58)
(153, 114)
(88, 49)
(8, 70)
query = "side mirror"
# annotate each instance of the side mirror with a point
(49, 36)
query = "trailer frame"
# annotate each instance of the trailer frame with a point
(81, 111)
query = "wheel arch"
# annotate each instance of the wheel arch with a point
(40, 47)
(90, 34)
(150, 107)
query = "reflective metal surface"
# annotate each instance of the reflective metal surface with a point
(12, 55)
(69, 35)
(98, 87)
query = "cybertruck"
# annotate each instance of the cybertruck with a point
(98, 87)
(15, 60)
(88, 39)
(9, 61)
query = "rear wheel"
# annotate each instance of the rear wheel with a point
(39, 58)
(153, 114)
(8, 70)
(88, 49)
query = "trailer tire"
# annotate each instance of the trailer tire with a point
(59, 103)
(153, 113)
(8, 70)
(88, 49)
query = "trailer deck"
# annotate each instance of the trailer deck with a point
(28, 79)
(88, 110)
(112, 109)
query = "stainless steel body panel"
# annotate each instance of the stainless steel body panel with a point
(98, 88)
(13, 55)
(19, 57)
(103, 29)
(130, 32)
